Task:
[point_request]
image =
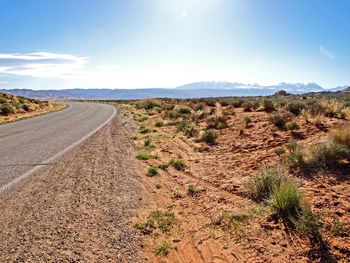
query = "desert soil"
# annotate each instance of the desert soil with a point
(78, 208)
(222, 173)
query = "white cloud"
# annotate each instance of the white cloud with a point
(40, 64)
(326, 52)
(3, 82)
(184, 13)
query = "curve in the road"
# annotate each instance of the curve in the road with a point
(28, 145)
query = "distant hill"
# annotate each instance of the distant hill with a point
(191, 90)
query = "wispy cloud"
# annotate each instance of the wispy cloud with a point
(40, 64)
(3, 82)
(326, 52)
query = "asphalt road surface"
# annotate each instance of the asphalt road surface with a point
(28, 145)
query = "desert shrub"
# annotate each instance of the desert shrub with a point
(263, 185)
(169, 106)
(279, 118)
(237, 103)
(148, 104)
(340, 229)
(268, 105)
(217, 122)
(177, 193)
(147, 141)
(159, 124)
(212, 111)
(6, 109)
(305, 115)
(199, 106)
(247, 106)
(331, 107)
(308, 223)
(286, 199)
(152, 171)
(145, 156)
(247, 120)
(25, 107)
(179, 164)
(279, 151)
(164, 248)
(341, 135)
(274, 129)
(184, 110)
(316, 109)
(296, 157)
(191, 131)
(209, 137)
(164, 165)
(295, 107)
(328, 154)
(3, 100)
(210, 102)
(292, 125)
(181, 125)
(143, 130)
(229, 111)
(192, 190)
(224, 102)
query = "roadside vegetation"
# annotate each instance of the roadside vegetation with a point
(13, 108)
(257, 168)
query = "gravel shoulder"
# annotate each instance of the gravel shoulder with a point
(79, 208)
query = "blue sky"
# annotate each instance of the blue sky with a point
(166, 43)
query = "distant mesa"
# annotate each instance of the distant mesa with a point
(281, 93)
(346, 90)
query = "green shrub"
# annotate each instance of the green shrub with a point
(25, 107)
(296, 157)
(145, 156)
(159, 124)
(217, 122)
(199, 106)
(182, 125)
(286, 199)
(237, 103)
(192, 190)
(147, 141)
(179, 164)
(164, 248)
(164, 165)
(144, 130)
(292, 125)
(295, 107)
(340, 229)
(268, 105)
(152, 171)
(279, 151)
(309, 224)
(184, 110)
(191, 131)
(209, 137)
(6, 109)
(263, 185)
(328, 154)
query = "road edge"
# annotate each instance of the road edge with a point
(13, 183)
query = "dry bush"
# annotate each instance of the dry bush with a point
(341, 135)
(332, 107)
(279, 118)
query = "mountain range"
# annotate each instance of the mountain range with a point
(191, 90)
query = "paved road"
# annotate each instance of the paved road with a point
(27, 145)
